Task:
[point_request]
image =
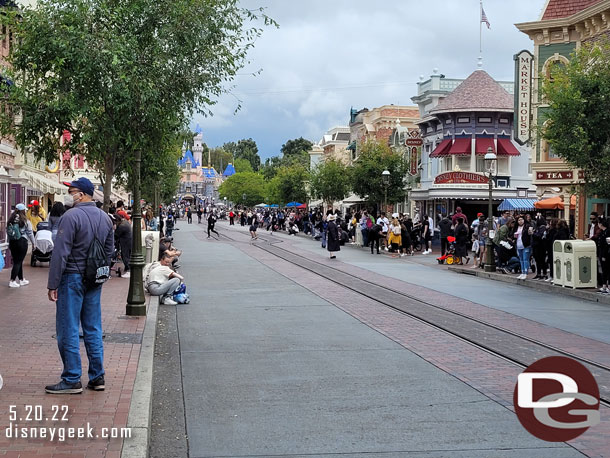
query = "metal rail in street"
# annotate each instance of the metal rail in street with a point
(509, 345)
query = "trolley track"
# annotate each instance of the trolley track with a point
(519, 349)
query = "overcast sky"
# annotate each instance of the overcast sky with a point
(331, 55)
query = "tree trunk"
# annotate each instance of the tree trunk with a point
(108, 174)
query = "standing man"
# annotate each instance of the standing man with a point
(211, 223)
(445, 227)
(75, 302)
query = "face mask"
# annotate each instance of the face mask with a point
(68, 201)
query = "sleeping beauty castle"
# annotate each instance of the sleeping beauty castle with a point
(199, 184)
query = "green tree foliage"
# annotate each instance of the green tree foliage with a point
(242, 165)
(162, 173)
(374, 158)
(249, 183)
(290, 184)
(247, 149)
(295, 152)
(330, 181)
(219, 158)
(270, 167)
(578, 115)
(119, 75)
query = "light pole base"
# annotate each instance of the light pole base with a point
(135, 310)
(490, 268)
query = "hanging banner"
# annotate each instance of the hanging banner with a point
(523, 96)
(414, 143)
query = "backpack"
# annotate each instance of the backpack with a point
(369, 223)
(13, 231)
(97, 267)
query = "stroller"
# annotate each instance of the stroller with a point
(449, 257)
(43, 248)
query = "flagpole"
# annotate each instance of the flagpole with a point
(480, 28)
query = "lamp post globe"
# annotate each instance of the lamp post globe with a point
(490, 165)
(385, 177)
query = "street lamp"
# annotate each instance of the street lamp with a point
(385, 177)
(243, 199)
(490, 166)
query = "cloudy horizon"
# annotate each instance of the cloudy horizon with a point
(324, 60)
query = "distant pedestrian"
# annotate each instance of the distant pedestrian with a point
(461, 240)
(333, 244)
(211, 223)
(375, 233)
(199, 213)
(231, 218)
(169, 225)
(253, 227)
(55, 214)
(123, 238)
(78, 302)
(19, 231)
(189, 215)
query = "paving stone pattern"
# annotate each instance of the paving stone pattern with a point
(29, 360)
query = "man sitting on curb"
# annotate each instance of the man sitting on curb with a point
(161, 280)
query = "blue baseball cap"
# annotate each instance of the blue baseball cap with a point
(82, 184)
(20, 207)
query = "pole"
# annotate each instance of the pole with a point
(480, 28)
(135, 297)
(490, 263)
(385, 202)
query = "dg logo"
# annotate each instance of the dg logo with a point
(557, 399)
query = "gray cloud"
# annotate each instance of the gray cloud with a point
(328, 56)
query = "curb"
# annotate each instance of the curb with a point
(538, 286)
(141, 399)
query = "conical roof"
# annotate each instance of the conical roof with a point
(478, 92)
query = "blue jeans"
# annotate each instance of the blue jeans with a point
(365, 237)
(524, 258)
(77, 304)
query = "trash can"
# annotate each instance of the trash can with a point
(152, 253)
(558, 260)
(580, 264)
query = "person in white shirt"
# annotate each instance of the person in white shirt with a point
(163, 281)
(385, 226)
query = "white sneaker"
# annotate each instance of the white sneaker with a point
(126, 274)
(168, 301)
(24, 282)
(550, 279)
(13, 284)
(523, 277)
(402, 255)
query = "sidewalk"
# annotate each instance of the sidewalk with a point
(29, 360)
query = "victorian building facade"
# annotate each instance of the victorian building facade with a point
(562, 27)
(461, 121)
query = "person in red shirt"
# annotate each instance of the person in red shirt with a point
(231, 218)
(459, 214)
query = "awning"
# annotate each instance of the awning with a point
(351, 199)
(517, 205)
(461, 147)
(554, 203)
(442, 149)
(43, 184)
(483, 144)
(506, 148)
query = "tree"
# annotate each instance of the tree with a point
(330, 181)
(296, 152)
(291, 184)
(242, 165)
(247, 149)
(578, 95)
(219, 157)
(374, 158)
(249, 184)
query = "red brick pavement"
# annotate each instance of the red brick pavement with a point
(492, 376)
(29, 360)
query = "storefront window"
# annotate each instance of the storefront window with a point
(503, 166)
(481, 164)
(463, 163)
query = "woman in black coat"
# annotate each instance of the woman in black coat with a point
(122, 237)
(333, 242)
(461, 240)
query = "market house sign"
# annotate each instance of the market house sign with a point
(523, 95)
(460, 177)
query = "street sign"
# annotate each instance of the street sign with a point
(414, 142)
(460, 177)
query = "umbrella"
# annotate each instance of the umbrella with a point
(554, 203)
(302, 206)
(517, 204)
(261, 205)
(273, 206)
(293, 204)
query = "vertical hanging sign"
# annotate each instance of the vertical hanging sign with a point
(413, 144)
(523, 96)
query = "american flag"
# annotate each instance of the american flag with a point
(484, 17)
